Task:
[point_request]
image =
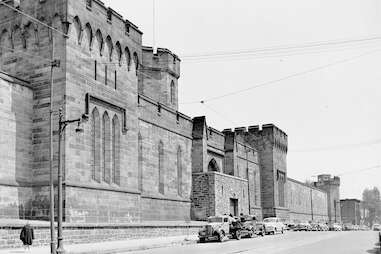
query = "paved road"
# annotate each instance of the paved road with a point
(359, 242)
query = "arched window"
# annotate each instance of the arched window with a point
(140, 162)
(115, 150)
(213, 166)
(161, 167)
(99, 42)
(173, 92)
(95, 145)
(118, 50)
(128, 58)
(106, 148)
(179, 171)
(78, 29)
(136, 61)
(89, 36)
(110, 47)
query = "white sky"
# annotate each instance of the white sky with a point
(333, 108)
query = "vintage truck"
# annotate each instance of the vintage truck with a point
(222, 227)
(217, 229)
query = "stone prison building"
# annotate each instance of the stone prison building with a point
(139, 159)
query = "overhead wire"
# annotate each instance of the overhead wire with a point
(278, 80)
(32, 18)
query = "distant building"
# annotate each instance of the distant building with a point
(350, 211)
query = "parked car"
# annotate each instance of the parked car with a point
(364, 227)
(246, 226)
(303, 226)
(217, 229)
(315, 226)
(348, 227)
(290, 225)
(323, 227)
(376, 227)
(335, 227)
(274, 225)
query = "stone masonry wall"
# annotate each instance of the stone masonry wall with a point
(306, 203)
(16, 102)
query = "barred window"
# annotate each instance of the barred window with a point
(173, 92)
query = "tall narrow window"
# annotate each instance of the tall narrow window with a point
(95, 145)
(136, 62)
(115, 150)
(281, 177)
(106, 75)
(179, 172)
(106, 148)
(115, 79)
(173, 92)
(140, 162)
(161, 167)
(95, 70)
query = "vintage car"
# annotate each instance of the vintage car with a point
(274, 225)
(323, 227)
(335, 227)
(376, 227)
(315, 226)
(217, 229)
(246, 226)
(348, 227)
(303, 226)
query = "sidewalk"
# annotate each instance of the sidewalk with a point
(112, 247)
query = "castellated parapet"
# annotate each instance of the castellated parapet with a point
(331, 185)
(158, 76)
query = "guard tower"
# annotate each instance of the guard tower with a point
(331, 185)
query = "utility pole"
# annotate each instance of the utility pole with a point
(51, 180)
(61, 130)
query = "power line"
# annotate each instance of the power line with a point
(222, 116)
(339, 147)
(271, 82)
(282, 48)
(360, 170)
(34, 19)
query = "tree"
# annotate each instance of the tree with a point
(371, 202)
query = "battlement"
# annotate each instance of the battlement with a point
(111, 16)
(327, 179)
(162, 60)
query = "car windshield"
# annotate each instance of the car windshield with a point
(215, 219)
(270, 220)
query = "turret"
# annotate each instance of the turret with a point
(331, 185)
(158, 76)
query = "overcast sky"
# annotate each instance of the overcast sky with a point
(332, 115)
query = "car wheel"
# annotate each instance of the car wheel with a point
(251, 233)
(221, 236)
(202, 240)
(238, 235)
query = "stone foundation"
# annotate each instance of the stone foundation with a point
(88, 233)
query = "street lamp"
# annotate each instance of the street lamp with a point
(61, 129)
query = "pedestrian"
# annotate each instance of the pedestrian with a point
(27, 236)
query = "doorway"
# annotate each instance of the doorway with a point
(234, 206)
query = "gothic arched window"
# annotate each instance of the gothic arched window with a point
(106, 148)
(179, 171)
(136, 61)
(213, 166)
(128, 58)
(173, 92)
(115, 150)
(161, 167)
(140, 162)
(95, 145)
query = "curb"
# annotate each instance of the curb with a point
(137, 248)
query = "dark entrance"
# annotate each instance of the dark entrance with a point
(234, 206)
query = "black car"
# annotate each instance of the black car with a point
(246, 226)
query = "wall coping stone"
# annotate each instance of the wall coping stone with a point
(221, 174)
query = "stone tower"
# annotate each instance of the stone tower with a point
(158, 76)
(271, 143)
(331, 185)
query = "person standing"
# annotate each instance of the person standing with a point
(27, 236)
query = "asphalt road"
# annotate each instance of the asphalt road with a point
(356, 242)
